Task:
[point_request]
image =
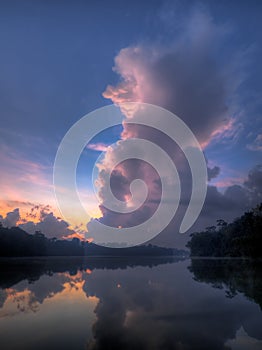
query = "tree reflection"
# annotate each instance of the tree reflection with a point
(130, 304)
(234, 275)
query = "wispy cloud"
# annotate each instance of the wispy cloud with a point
(23, 178)
(100, 147)
(256, 145)
(228, 132)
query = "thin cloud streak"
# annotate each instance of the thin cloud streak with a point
(100, 147)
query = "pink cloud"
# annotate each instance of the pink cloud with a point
(227, 182)
(229, 131)
(101, 147)
(22, 178)
(11, 218)
(135, 65)
(50, 225)
(184, 77)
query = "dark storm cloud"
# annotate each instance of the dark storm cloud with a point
(213, 172)
(235, 200)
(254, 183)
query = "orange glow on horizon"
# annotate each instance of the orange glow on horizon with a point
(75, 235)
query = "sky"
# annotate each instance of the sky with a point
(62, 60)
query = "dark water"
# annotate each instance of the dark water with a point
(130, 304)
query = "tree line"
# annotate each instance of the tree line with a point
(241, 238)
(15, 242)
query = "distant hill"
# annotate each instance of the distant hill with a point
(15, 242)
(242, 238)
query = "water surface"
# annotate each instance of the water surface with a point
(134, 303)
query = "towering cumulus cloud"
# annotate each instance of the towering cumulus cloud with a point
(187, 77)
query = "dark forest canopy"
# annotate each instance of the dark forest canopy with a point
(241, 238)
(15, 242)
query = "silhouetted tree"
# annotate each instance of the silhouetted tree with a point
(243, 237)
(16, 242)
